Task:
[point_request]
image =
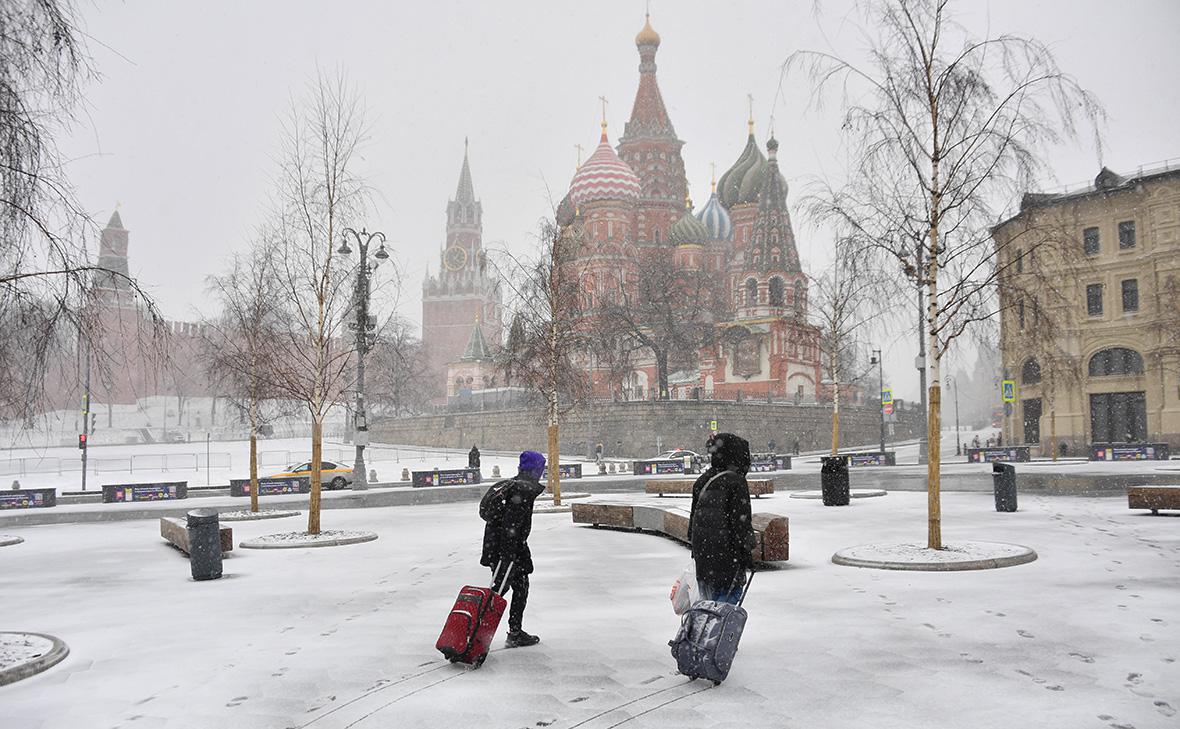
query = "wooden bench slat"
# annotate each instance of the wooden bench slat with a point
(1154, 497)
(659, 487)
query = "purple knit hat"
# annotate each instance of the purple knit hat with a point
(531, 461)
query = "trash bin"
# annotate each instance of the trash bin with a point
(1004, 484)
(204, 544)
(834, 480)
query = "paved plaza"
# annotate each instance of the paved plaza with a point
(1085, 636)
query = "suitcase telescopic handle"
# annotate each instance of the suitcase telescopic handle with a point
(500, 581)
(746, 591)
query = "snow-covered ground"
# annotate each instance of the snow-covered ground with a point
(343, 637)
(227, 459)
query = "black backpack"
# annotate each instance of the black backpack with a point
(491, 506)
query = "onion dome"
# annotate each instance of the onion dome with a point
(566, 211)
(715, 218)
(604, 177)
(648, 36)
(731, 183)
(688, 230)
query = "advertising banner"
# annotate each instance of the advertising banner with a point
(121, 492)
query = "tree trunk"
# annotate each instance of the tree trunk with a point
(835, 418)
(553, 483)
(253, 455)
(662, 374)
(317, 449)
(934, 416)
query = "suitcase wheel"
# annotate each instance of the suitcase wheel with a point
(716, 683)
(479, 661)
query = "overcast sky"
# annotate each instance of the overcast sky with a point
(183, 126)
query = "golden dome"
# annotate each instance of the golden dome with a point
(647, 36)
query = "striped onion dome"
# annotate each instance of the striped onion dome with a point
(716, 219)
(566, 211)
(731, 185)
(604, 177)
(688, 230)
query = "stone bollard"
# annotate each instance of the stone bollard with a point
(601, 469)
(612, 468)
(15, 484)
(372, 475)
(405, 474)
(495, 472)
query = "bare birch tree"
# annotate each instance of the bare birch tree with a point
(844, 302)
(243, 339)
(544, 340)
(944, 131)
(318, 194)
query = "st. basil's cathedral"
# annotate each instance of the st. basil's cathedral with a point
(628, 205)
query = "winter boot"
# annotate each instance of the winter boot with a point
(517, 638)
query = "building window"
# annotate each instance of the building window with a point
(1020, 312)
(1019, 260)
(1030, 373)
(1116, 361)
(778, 291)
(1094, 299)
(1131, 295)
(751, 292)
(1090, 242)
(1127, 234)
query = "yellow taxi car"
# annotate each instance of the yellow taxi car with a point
(332, 475)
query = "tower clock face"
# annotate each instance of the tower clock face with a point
(455, 258)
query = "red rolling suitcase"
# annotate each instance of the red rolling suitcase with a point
(467, 634)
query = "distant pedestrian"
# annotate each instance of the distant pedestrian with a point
(598, 453)
(505, 538)
(719, 525)
(796, 451)
(990, 441)
(975, 441)
(473, 458)
(770, 446)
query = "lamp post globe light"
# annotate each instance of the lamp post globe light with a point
(363, 326)
(877, 359)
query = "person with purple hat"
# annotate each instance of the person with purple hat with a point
(505, 538)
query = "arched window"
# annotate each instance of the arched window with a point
(1116, 361)
(777, 291)
(800, 295)
(1030, 373)
(751, 292)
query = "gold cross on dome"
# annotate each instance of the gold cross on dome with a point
(604, 102)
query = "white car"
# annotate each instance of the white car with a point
(676, 455)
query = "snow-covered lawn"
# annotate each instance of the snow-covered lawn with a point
(1083, 637)
(225, 460)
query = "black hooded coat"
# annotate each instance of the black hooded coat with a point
(507, 539)
(719, 526)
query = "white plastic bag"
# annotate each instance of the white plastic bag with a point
(685, 591)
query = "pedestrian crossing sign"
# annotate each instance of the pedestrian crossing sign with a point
(713, 425)
(887, 396)
(1009, 392)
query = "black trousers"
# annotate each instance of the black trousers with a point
(518, 582)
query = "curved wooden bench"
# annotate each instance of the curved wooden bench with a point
(659, 487)
(1154, 497)
(772, 530)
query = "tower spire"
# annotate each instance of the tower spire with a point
(465, 192)
(603, 100)
(750, 120)
(712, 177)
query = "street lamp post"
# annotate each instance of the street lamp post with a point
(362, 326)
(877, 359)
(958, 437)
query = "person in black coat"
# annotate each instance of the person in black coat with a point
(506, 541)
(719, 526)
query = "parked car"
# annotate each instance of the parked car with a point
(332, 475)
(677, 454)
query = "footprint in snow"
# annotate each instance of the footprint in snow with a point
(1165, 708)
(1025, 634)
(578, 699)
(1134, 679)
(1082, 657)
(237, 700)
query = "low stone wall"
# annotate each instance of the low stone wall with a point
(642, 429)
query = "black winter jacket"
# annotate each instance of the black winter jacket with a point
(719, 527)
(508, 538)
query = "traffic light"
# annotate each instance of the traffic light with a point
(81, 441)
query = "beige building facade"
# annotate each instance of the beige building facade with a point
(1089, 284)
